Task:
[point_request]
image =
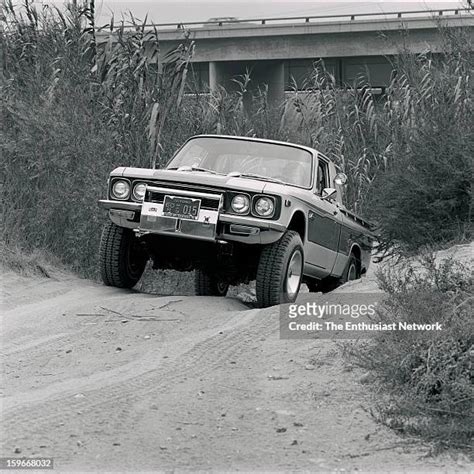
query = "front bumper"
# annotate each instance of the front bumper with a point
(123, 205)
(226, 227)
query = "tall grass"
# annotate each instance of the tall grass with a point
(409, 155)
(78, 101)
(73, 110)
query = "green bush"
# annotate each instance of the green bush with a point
(425, 375)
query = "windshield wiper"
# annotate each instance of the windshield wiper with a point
(193, 168)
(205, 170)
(236, 174)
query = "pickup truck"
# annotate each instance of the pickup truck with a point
(235, 210)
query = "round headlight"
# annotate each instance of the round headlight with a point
(121, 189)
(264, 206)
(240, 204)
(139, 191)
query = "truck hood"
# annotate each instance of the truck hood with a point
(203, 179)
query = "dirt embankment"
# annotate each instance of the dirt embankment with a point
(105, 379)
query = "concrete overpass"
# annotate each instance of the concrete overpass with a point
(277, 51)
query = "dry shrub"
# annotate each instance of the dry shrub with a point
(425, 375)
(34, 264)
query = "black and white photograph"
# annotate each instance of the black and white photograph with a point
(237, 236)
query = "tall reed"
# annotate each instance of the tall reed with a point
(79, 101)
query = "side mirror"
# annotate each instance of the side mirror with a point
(328, 193)
(340, 179)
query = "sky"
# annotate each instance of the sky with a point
(166, 11)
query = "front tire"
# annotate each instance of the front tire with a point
(280, 271)
(122, 260)
(208, 285)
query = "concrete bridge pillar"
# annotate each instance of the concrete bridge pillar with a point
(215, 75)
(262, 73)
(272, 74)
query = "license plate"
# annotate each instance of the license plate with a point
(181, 207)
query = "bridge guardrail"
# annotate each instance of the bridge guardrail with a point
(304, 19)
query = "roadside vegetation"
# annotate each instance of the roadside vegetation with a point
(72, 111)
(75, 105)
(29, 264)
(425, 377)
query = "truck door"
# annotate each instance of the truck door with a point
(324, 226)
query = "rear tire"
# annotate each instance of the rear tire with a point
(352, 270)
(122, 260)
(208, 285)
(280, 271)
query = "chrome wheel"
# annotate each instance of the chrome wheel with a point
(293, 274)
(352, 273)
(279, 271)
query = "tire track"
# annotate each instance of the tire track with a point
(33, 420)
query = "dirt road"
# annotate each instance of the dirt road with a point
(109, 380)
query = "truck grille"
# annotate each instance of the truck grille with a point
(157, 192)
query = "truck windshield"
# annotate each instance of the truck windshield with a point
(286, 163)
